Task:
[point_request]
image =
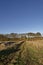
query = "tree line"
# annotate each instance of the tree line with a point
(15, 36)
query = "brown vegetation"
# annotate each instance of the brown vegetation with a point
(24, 51)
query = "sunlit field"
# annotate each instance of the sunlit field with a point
(28, 52)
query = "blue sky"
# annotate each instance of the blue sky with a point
(21, 16)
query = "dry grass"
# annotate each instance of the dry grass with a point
(31, 53)
(35, 51)
(2, 46)
(36, 44)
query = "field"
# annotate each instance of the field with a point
(28, 52)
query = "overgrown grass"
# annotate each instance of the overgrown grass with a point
(30, 53)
